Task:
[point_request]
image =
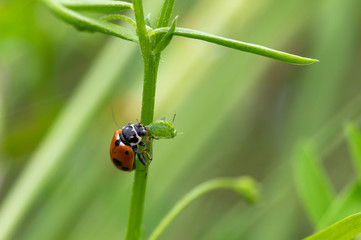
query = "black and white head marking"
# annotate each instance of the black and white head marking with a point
(132, 134)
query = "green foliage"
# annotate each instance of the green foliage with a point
(166, 38)
(238, 45)
(311, 181)
(324, 208)
(83, 22)
(354, 139)
(99, 7)
(345, 204)
(151, 61)
(66, 129)
(345, 229)
(247, 112)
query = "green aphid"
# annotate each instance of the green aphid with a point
(161, 130)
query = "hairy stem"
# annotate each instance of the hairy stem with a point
(135, 219)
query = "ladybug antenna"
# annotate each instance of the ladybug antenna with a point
(114, 119)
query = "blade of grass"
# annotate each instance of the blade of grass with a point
(354, 142)
(238, 45)
(311, 182)
(96, 6)
(65, 131)
(346, 203)
(345, 229)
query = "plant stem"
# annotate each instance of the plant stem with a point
(135, 219)
(244, 185)
(140, 177)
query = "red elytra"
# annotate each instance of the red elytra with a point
(122, 155)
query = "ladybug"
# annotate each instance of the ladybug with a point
(124, 146)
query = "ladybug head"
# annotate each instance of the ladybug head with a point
(132, 134)
(140, 129)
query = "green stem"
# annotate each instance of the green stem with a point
(142, 33)
(238, 45)
(244, 185)
(135, 219)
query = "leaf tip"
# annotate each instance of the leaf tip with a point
(307, 61)
(248, 188)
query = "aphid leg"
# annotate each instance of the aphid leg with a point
(173, 119)
(151, 151)
(146, 153)
(148, 139)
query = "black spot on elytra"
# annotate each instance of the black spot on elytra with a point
(126, 153)
(125, 168)
(117, 162)
(117, 142)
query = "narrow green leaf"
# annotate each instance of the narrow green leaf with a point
(148, 21)
(164, 17)
(238, 45)
(346, 203)
(165, 40)
(354, 141)
(85, 23)
(345, 229)
(98, 6)
(165, 13)
(312, 183)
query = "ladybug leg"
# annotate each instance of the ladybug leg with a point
(144, 151)
(147, 140)
(140, 155)
(142, 159)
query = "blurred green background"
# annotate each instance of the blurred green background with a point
(241, 114)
